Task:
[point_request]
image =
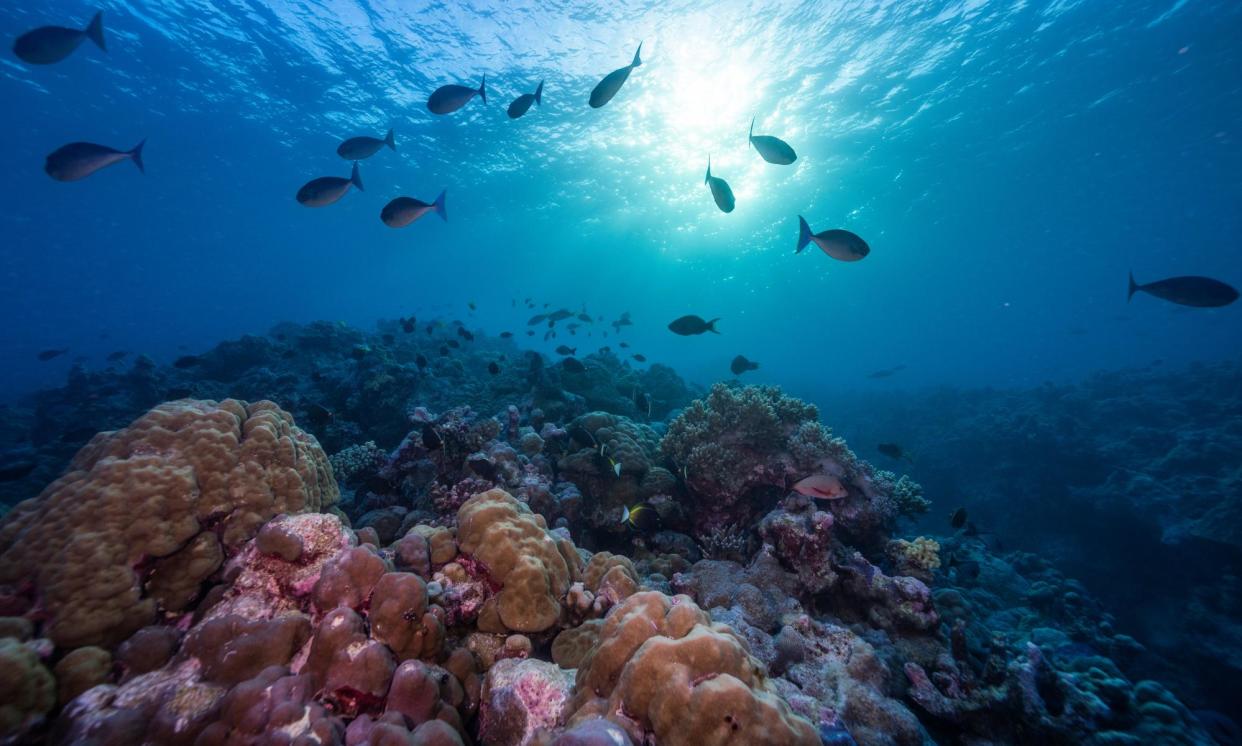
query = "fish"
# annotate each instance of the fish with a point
(325, 190)
(493, 368)
(449, 98)
(363, 147)
(616, 465)
(187, 361)
(586, 317)
(47, 45)
(482, 466)
(624, 345)
(46, 355)
(740, 365)
(537, 319)
(957, 518)
(118, 355)
(530, 332)
(506, 335)
(15, 470)
(639, 358)
(690, 325)
(1189, 290)
(641, 517)
(836, 243)
(319, 415)
(77, 160)
(522, 103)
(894, 451)
(771, 149)
(444, 351)
(472, 305)
(566, 350)
(405, 210)
(420, 361)
(721, 192)
(560, 315)
(548, 335)
(431, 439)
(573, 365)
(408, 325)
(612, 82)
(886, 372)
(821, 487)
(453, 343)
(642, 402)
(465, 334)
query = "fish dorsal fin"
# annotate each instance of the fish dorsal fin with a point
(637, 58)
(750, 138)
(709, 169)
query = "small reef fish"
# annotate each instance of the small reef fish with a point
(639, 358)
(886, 372)
(623, 345)
(537, 319)
(612, 82)
(506, 335)
(566, 350)
(363, 147)
(771, 149)
(431, 439)
(453, 343)
(449, 98)
(894, 451)
(461, 332)
(642, 402)
(957, 518)
(13, 471)
(530, 332)
(642, 518)
(573, 365)
(420, 361)
(493, 368)
(586, 317)
(319, 415)
(740, 365)
(1199, 292)
(721, 193)
(325, 190)
(690, 325)
(77, 160)
(522, 103)
(50, 44)
(46, 355)
(405, 210)
(560, 315)
(836, 243)
(616, 466)
(408, 325)
(187, 361)
(444, 351)
(821, 487)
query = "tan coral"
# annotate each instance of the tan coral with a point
(27, 690)
(665, 672)
(156, 495)
(533, 568)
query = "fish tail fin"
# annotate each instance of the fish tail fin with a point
(750, 138)
(804, 234)
(638, 60)
(136, 156)
(94, 31)
(709, 168)
(483, 88)
(356, 177)
(711, 325)
(539, 94)
(439, 206)
(389, 141)
(1133, 287)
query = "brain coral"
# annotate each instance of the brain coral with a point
(158, 500)
(532, 568)
(666, 673)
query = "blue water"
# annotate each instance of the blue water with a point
(1008, 162)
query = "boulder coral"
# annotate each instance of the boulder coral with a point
(145, 514)
(666, 674)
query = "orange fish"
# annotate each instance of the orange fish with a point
(822, 487)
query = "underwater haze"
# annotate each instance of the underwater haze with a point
(1007, 162)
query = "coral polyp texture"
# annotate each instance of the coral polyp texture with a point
(145, 514)
(544, 567)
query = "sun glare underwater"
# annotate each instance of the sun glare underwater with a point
(558, 373)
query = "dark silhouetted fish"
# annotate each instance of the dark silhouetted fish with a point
(444, 351)
(77, 160)
(772, 149)
(48, 44)
(957, 518)
(318, 415)
(493, 368)
(14, 470)
(449, 98)
(363, 147)
(530, 332)
(886, 372)
(560, 315)
(721, 192)
(325, 190)
(740, 365)
(431, 439)
(573, 365)
(421, 361)
(482, 466)
(187, 361)
(522, 103)
(408, 326)
(690, 325)
(642, 402)
(538, 318)
(639, 358)
(1200, 292)
(405, 210)
(566, 350)
(506, 335)
(838, 244)
(612, 82)
(642, 518)
(453, 343)
(461, 332)
(894, 451)
(51, 354)
(586, 317)
(623, 345)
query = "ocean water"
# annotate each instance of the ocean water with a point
(1009, 163)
